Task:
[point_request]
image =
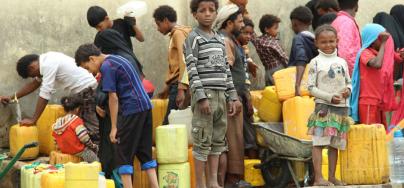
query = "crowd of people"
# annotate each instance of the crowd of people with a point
(108, 111)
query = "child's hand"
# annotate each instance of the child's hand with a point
(234, 107)
(252, 67)
(204, 106)
(336, 99)
(5, 100)
(384, 36)
(112, 135)
(100, 111)
(346, 93)
(179, 100)
(401, 53)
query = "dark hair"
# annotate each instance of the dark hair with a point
(327, 18)
(165, 11)
(96, 15)
(267, 21)
(195, 4)
(248, 22)
(70, 103)
(327, 4)
(24, 62)
(231, 18)
(325, 27)
(84, 52)
(347, 4)
(302, 14)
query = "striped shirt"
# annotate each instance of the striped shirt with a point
(119, 76)
(207, 65)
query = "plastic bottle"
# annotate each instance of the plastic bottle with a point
(397, 158)
(102, 182)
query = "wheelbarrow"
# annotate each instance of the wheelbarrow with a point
(14, 159)
(277, 152)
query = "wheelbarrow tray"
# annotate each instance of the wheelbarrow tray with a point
(283, 144)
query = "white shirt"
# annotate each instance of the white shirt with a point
(60, 69)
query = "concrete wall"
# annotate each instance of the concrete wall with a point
(38, 26)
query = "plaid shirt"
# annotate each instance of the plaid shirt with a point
(270, 51)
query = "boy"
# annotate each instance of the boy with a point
(349, 38)
(303, 48)
(268, 47)
(98, 18)
(229, 23)
(132, 133)
(53, 69)
(166, 21)
(250, 143)
(212, 90)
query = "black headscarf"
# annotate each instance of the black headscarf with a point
(111, 42)
(398, 13)
(388, 22)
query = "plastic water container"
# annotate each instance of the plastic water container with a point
(182, 117)
(397, 158)
(132, 9)
(102, 181)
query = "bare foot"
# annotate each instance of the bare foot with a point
(323, 182)
(337, 182)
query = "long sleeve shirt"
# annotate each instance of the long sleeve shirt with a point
(61, 70)
(207, 65)
(328, 76)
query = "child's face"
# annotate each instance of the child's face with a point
(295, 26)
(163, 26)
(327, 41)
(245, 36)
(321, 11)
(273, 31)
(206, 13)
(105, 24)
(92, 66)
(33, 70)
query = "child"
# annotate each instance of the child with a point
(166, 21)
(250, 143)
(132, 134)
(330, 84)
(53, 70)
(303, 48)
(98, 18)
(349, 42)
(368, 80)
(70, 135)
(326, 6)
(212, 90)
(269, 48)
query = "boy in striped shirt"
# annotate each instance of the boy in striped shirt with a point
(212, 90)
(132, 133)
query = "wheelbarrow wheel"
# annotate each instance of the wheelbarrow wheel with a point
(276, 173)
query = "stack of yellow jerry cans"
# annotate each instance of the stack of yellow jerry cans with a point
(296, 110)
(365, 159)
(172, 156)
(82, 174)
(158, 113)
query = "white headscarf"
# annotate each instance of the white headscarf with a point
(224, 13)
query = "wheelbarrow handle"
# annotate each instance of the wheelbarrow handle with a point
(31, 145)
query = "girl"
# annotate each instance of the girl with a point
(330, 84)
(70, 134)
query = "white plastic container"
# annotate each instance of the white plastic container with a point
(397, 158)
(182, 117)
(102, 181)
(132, 9)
